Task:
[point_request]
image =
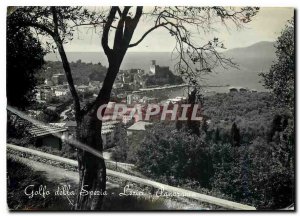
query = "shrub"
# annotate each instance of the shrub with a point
(175, 155)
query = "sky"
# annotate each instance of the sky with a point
(265, 26)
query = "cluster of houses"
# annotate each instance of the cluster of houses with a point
(133, 119)
(126, 81)
(57, 87)
(130, 80)
(112, 130)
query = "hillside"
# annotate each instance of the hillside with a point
(256, 57)
(82, 72)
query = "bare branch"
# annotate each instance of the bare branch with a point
(65, 62)
(106, 29)
(37, 25)
(146, 33)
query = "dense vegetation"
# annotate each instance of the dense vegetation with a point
(252, 112)
(241, 151)
(281, 77)
(246, 145)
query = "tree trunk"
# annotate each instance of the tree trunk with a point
(92, 170)
(192, 124)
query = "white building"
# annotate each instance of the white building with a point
(137, 127)
(60, 92)
(153, 67)
(176, 100)
(111, 133)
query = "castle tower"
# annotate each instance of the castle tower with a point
(152, 67)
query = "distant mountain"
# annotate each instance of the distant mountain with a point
(251, 60)
(257, 57)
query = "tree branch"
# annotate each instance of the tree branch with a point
(146, 33)
(66, 64)
(119, 31)
(130, 26)
(37, 25)
(106, 28)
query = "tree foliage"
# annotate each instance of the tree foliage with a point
(258, 171)
(235, 136)
(174, 156)
(281, 77)
(24, 58)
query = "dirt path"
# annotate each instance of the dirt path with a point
(114, 202)
(56, 174)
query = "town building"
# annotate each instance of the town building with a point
(111, 132)
(61, 92)
(148, 100)
(44, 93)
(40, 134)
(138, 127)
(82, 88)
(58, 79)
(176, 100)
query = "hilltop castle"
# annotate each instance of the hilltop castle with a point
(154, 69)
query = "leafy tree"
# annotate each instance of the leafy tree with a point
(252, 175)
(276, 126)
(235, 136)
(24, 58)
(57, 22)
(16, 130)
(281, 80)
(48, 116)
(192, 124)
(204, 125)
(217, 136)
